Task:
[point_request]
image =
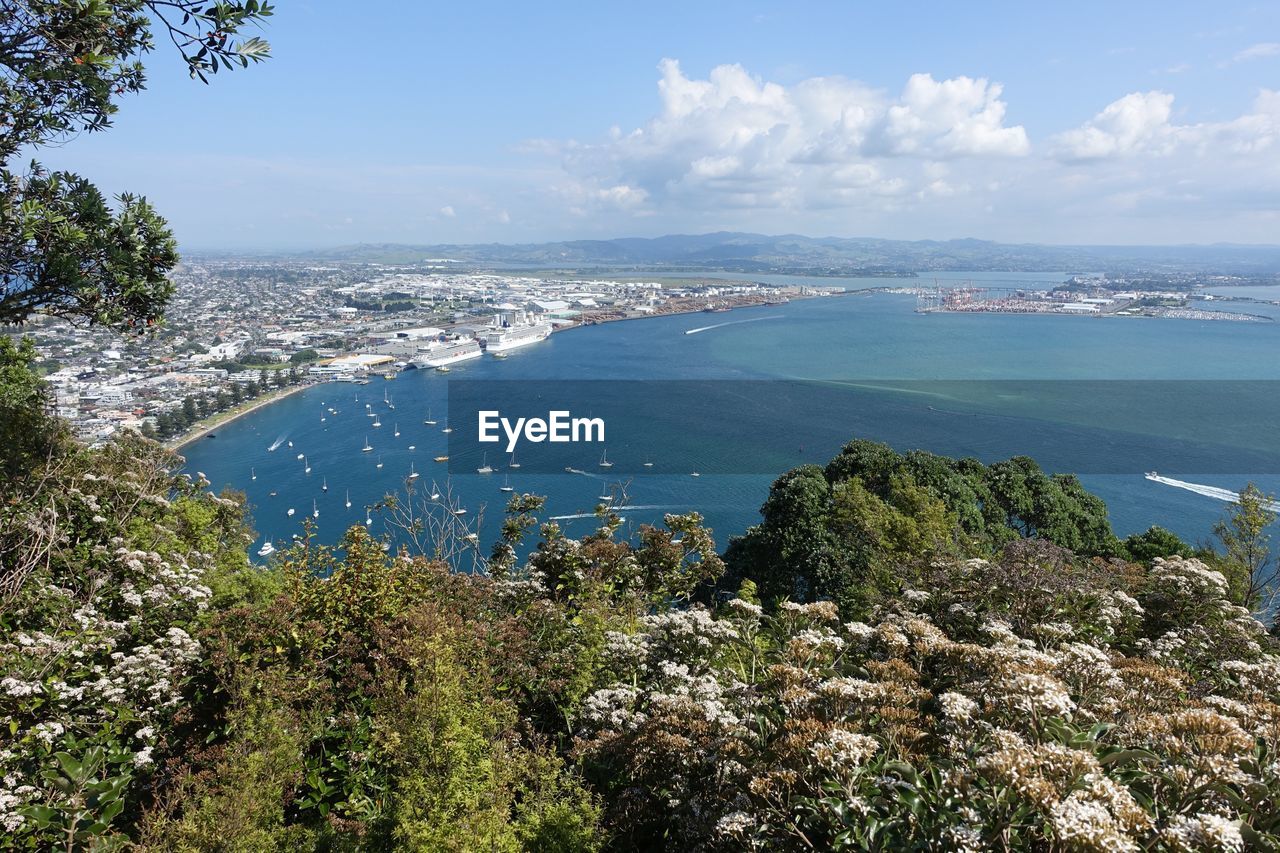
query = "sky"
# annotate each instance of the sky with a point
(424, 122)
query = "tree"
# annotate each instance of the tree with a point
(190, 413)
(1156, 542)
(1250, 566)
(64, 250)
(28, 433)
(303, 356)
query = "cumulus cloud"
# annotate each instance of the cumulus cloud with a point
(935, 157)
(957, 117)
(448, 211)
(735, 140)
(1137, 122)
(1140, 123)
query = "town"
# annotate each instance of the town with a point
(241, 332)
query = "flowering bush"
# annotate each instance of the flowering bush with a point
(981, 713)
(107, 582)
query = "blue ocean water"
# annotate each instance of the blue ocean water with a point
(841, 340)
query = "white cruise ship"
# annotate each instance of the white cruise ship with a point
(501, 340)
(440, 355)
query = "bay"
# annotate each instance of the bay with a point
(847, 341)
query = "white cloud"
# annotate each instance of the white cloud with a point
(1137, 122)
(737, 141)
(940, 157)
(1258, 51)
(957, 117)
(1140, 124)
(448, 211)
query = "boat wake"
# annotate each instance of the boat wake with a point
(732, 323)
(279, 441)
(1208, 491)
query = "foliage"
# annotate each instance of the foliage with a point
(28, 435)
(63, 249)
(1247, 559)
(1038, 701)
(105, 565)
(852, 531)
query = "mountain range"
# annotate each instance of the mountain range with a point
(795, 253)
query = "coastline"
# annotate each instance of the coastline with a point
(203, 428)
(607, 320)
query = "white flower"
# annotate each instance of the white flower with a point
(735, 823)
(957, 706)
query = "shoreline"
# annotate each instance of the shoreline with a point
(223, 418)
(609, 320)
(203, 428)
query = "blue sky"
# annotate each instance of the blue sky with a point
(426, 122)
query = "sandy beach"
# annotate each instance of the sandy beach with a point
(213, 422)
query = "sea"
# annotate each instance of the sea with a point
(1106, 398)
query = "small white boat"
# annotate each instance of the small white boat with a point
(397, 431)
(300, 456)
(485, 467)
(604, 460)
(367, 521)
(315, 511)
(324, 487)
(608, 499)
(513, 463)
(506, 485)
(447, 429)
(443, 368)
(459, 511)
(379, 461)
(348, 499)
(376, 421)
(266, 550)
(695, 474)
(306, 469)
(413, 475)
(367, 446)
(428, 420)
(290, 512)
(253, 475)
(648, 464)
(291, 444)
(413, 447)
(435, 496)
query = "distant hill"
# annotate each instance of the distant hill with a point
(744, 252)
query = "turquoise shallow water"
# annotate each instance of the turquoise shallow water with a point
(1224, 431)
